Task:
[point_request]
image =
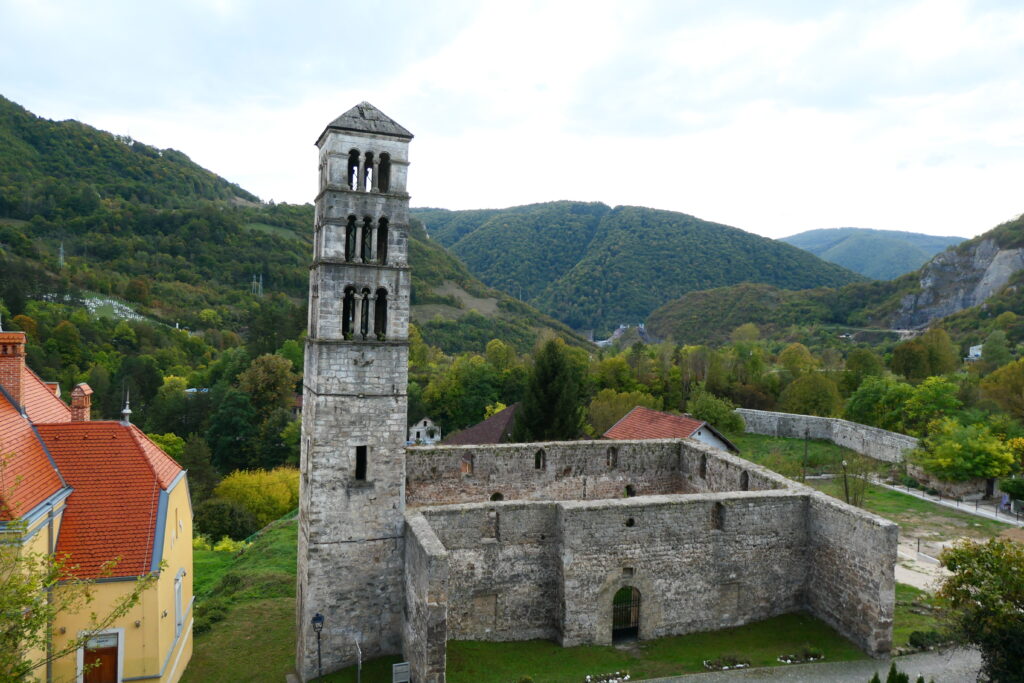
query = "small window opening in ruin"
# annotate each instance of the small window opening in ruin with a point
(717, 516)
(368, 172)
(348, 312)
(365, 250)
(630, 491)
(613, 457)
(467, 463)
(703, 467)
(350, 238)
(540, 460)
(630, 522)
(352, 179)
(364, 321)
(384, 173)
(361, 463)
(380, 319)
(497, 496)
(744, 481)
(493, 524)
(382, 241)
(627, 571)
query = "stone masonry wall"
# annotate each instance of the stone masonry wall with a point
(574, 470)
(502, 578)
(700, 562)
(850, 582)
(870, 441)
(425, 631)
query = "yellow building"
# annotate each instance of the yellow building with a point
(95, 492)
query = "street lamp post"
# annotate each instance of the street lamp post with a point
(359, 662)
(846, 486)
(318, 625)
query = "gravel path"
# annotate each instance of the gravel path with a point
(948, 666)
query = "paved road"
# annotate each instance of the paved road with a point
(950, 666)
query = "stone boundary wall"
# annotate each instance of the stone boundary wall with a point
(575, 470)
(850, 580)
(424, 633)
(870, 441)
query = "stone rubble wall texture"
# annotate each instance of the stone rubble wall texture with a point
(969, 489)
(425, 631)
(524, 569)
(870, 441)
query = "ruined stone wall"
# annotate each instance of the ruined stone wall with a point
(425, 633)
(569, 470)
(850, 582)
(700, 562)
(970, 489)
(502, 578)
(870, 441)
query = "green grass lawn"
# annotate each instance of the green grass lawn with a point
(274, 230)
(915, 516)
(916, 610)
(787, 456)
(546, 662)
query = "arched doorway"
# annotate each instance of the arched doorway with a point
(626, 614)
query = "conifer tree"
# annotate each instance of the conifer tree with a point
(550, 409)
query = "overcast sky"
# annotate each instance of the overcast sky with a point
(801, 115)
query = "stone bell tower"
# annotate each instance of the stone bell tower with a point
(352, 486)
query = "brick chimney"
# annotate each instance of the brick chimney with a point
(81, 403)
(12, 363)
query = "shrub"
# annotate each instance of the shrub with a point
(216, 518)
(265, 494)
(922, 640)
(1014, 488)
(717, 412)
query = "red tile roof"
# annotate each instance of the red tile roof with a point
(117, 474)
(495, 429)
(644, 423)
(39, 401)
(27, 477)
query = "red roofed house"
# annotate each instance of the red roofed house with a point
(98, 492)
(644, 423)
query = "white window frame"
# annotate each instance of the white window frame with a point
(179, 608)
(80, 666)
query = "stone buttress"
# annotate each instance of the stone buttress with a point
(351, 491)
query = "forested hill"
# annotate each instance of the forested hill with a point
(593, 266)
(183, 245)
(878, 254)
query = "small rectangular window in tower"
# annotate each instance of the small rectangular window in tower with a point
(361, 463)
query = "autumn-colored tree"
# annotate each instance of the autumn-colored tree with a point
(957, 452)
(268, 495)
(270, 383)
(1005, 386)
(796, 360)
(812, 394)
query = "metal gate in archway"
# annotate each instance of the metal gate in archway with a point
(626, 614)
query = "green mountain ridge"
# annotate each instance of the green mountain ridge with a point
(175, 239)
(594, 266)
(877, 254)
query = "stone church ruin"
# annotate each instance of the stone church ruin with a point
(402, 549)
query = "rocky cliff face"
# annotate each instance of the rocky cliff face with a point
(954, 280)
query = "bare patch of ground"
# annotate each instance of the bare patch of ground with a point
(487, 306)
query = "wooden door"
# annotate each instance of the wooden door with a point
(100, 660)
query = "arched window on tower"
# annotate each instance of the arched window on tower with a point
(348, 312)
(366, 251)
(368, 172)
(352, 179)
(350, 238)
(380, 315)
(384, 172)
(382, 240)
(364, 319)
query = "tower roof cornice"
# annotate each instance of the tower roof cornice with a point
(366, 118)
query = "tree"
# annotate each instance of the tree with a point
(934, 398)
(943, 355)
(986, 596)
(610, 406)
(266, 494)
(197, 459)
(270, 384)
(813, 394)
(233, 427)
(879, 402)
(171, 444)
(995, 352)
(720, 413)
(860, 363)
(550, 408)
(747, 332)
(957, 452)
(1005, 386)
(910, 359)
(796, 359)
